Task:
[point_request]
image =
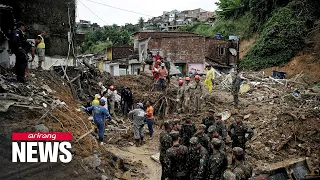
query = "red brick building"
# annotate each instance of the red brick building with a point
(187, 50)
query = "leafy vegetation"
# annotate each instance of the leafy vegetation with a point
(282, 36)
(97, 41)
(235, 26)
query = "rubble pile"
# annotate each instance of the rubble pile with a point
(45, 104)
(284, 114)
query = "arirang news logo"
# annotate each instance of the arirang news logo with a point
(41, 147)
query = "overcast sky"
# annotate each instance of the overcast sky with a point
(152, 8)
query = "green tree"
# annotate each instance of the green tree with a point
(231, 8)
(141, 22)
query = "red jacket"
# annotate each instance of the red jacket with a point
(156, 75)
(158, 57)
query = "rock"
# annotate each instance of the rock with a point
(131, 143)
(103, 177)
(92, 161)
(303, 117)
(44, 105)
(40, 128)
(126, 175)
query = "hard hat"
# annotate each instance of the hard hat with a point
(111, 88)
(97, 96)
(197, 77)
(188, 79)
(180, 82)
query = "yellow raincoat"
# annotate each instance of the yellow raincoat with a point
(209, 77)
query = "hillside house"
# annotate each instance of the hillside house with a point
(188, 51)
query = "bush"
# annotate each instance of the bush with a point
(279, 41)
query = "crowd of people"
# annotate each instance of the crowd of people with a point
(190, 153)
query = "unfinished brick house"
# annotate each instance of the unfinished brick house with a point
(188, 51)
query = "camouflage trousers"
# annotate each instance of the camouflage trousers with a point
(186, 105)
(197, 103)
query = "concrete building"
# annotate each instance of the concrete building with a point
(188, 51)
(38, 15)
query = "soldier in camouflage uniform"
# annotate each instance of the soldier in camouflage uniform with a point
(210, 120)
(197, 160)
(198, 91)
(239, 169)
(236, 82)
(187, 94)
(176, 160)
(180, 96)
(216, 163)
(165, 144)
(176, 125)
(213, 133)
(187, 131)
(221, 127)
(204, 139)
(237, 131)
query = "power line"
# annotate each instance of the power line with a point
(120, 8)
(92, 12)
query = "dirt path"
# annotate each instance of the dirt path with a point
(141, 154)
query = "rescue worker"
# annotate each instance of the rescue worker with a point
(198, 94)
(165, 144)
(221, 127)
(157, 56)
(197, 159)
(176, 160)
(149, 117)
(187, 94)
(236, 82)
(162, 77)
(209, 120)
(149, 59)
(176, 125)
(155, 71)
(138, 117)
(127, 100)
(40, 48)
(99, 113)
(96, 100)
(105, 98)
(237, 131)
(20, 47)
(213, 133)
(203, 138)
(168, 67)
(180, 96)
(216, 163)
(112, 99)
(187, 131)
(239, 169)
(209, 78)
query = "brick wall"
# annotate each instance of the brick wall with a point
(121, 52)
(187, 47)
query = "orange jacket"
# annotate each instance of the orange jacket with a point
(149, 112)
